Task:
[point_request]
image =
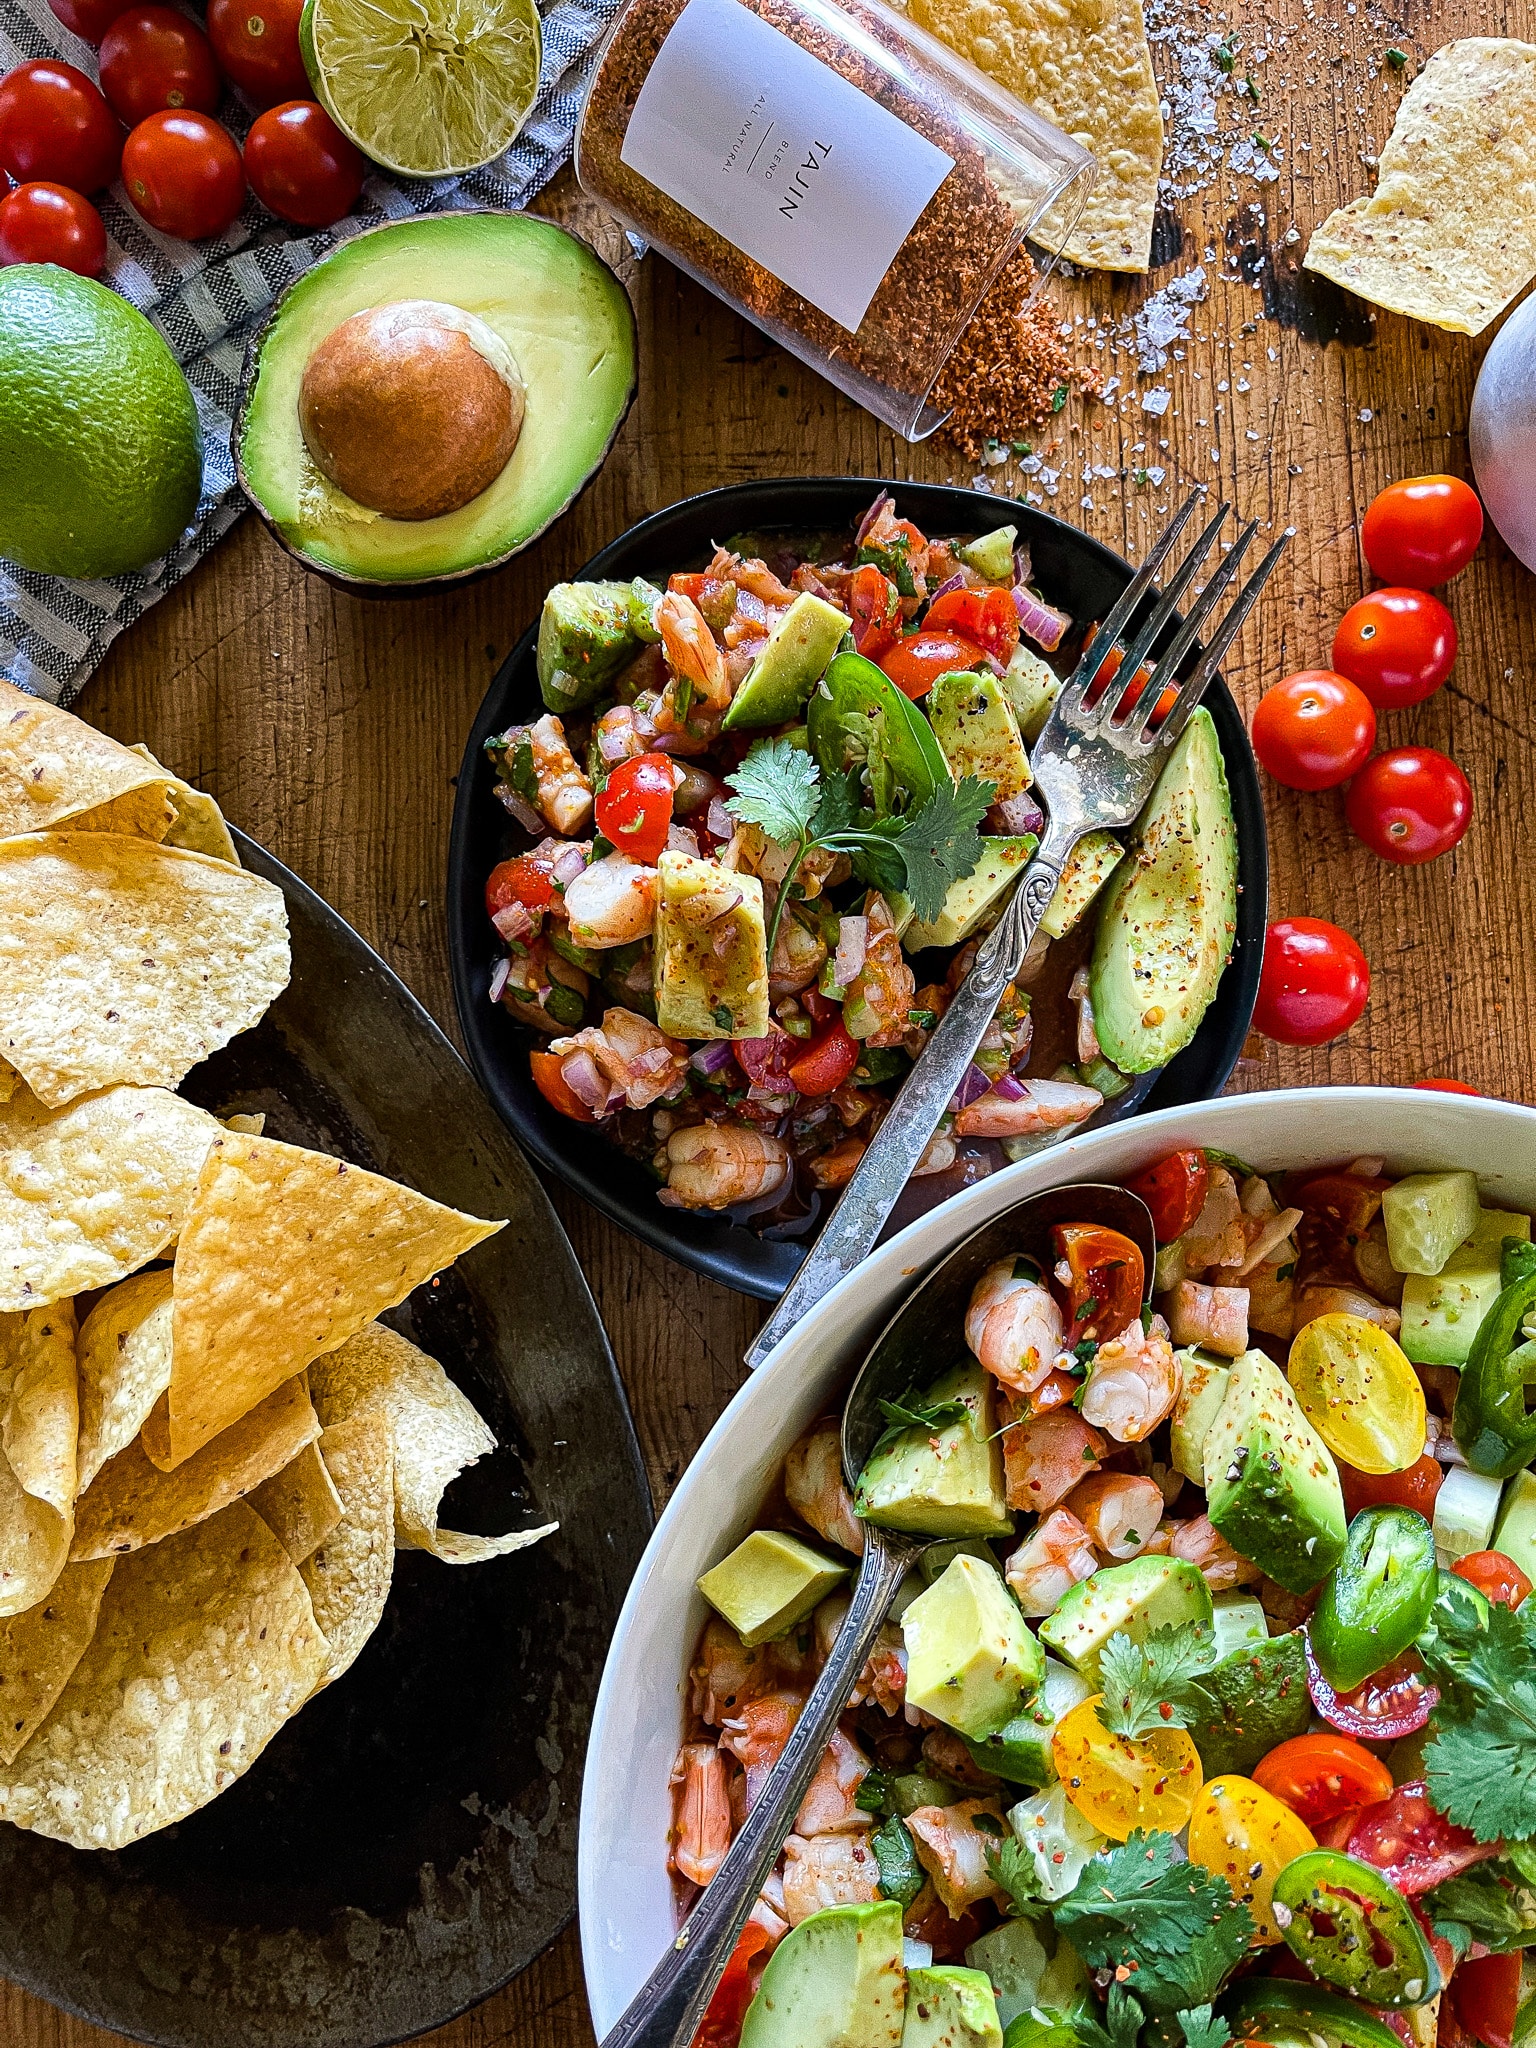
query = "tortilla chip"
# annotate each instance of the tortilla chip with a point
(54, 767)
(94, 1190)
(125, 961)
(37, 1452)
(1450, 236)
(249, 1123)
(10, 1080)
(125, 1366)
(1086, 66)
(197, 824)
(348, 1576)
(300, 1505)
(437, 1431)
(40, 1649)
(205, 1646)
(285, 1254)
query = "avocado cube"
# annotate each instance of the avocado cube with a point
(1441, 1312)
(768, 1583)
(950, 2007)
(1032, 686)
(792, 661)
(968, 901)
(586, 635)
(990, 554)
(1015, 1960)
(1020, 1750)
(1271, 1486)
(1146, 1594)
(971, 1662)
(1260, 1700)
(710, 965)
(1088, 867)
(1237, 1623)
(1427, 1216)
(946, 1481)
(836, 1980)
(1515, 1531)
(975, 725)
(1199, 1403)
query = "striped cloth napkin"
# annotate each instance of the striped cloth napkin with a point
(207, 297)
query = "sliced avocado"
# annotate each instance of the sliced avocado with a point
(1145, 1594)
(557, 307)
(1427, 1216)
(1020, 1750)
(835, 1980)
(1199, 1403)
(1057, 1837)
(586, 635)
(946, 1481)
(1166, 923)
(935, 1561)
(710, 968)
(1271, 1486)
(969, 899)
(1441, 1312)
(1515, 1531)
(1033, 687)
(793, 659)
(1088, 867)
(949, 2006)
(768, 1583)
(971, 1662)
(1237, 1622)
(976, 728)
(1260, 1699)
(990, 554)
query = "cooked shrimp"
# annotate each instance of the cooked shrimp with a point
(813, 1486)
(1044, 1106)
(755, 576)
(835, 1167)
(1119, 1510)
(828, 1807)
(757, 1734)
(1200, 1543)
(1271, 1300)
(1088, 1047)
(938, 1156)
(828, 1870)
(949, 1757)
(1013, 1325)
(1216, 1317)
(883, 1681)
(799, 954)
(692, 650)
(1217, 1237)
(639, 1062)
(953, 1850)
(1056, 1390)
(727, 1674)
(881, 993)
(564, 793)
(1057, 1555)
(751, 848)
(765, 1914)
(618, 735)
(710, 1166)
(611, 903)
(1323, 1300)
(1133, 1382)
(1045, 1456)
(701, 1812)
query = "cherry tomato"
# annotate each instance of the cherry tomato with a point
(257, 45)
(826, 1062)
(154, 57)
(1119, 1784)
(765, 1061)
(56, 127)
(89, 19)
(634, 808)
(555, 1089)
(1422, 531)
(1495, 1576)
(1486, 1997)
(1174, 1191)
(301, 166)
(528, 880)
(1398, 645)
(986, 617)
(1413, 1845)
(1132, 695)
(182, 172)
(1392, 1702)
(1410, 805)
(1335, 1833)
(1314, 982)
(1321, 1776)
(1314, 729)
(915, 664)
(875, 603)
(1107, 1276)
(1240, 1831)
(1415, 1488)
(727, 2009)
(1449, 1087)
(42, 223)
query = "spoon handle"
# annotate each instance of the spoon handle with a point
(666, 2010)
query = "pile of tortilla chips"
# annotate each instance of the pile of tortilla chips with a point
(209, 1447)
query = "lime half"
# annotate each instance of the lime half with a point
(424, 87)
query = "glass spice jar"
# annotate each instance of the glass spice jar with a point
(834, 172)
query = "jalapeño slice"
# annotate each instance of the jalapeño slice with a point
(1354, 1929)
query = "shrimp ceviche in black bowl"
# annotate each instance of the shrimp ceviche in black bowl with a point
(766, 817)
(1210, 1712)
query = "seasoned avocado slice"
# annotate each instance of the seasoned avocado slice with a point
(1271, 1485)
(971, 1662)
(586, 635)
(1260, 1699)
(990, 554)
(1088, 867)
(560, 311)
(950, 2007)
(1166, 923)
(792, 662)
(1146, 1594)
(1033, 687)
(835, 1980)
(770, 1581)
(969, 899)
(946, 1481)
(1021, 1749)
(1238, 1623)
(1442, 1311)
(976, 728)
(711, 959)
(1201, 1395)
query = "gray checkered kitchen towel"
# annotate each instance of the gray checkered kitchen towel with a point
(206, 297)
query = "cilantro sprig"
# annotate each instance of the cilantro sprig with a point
(1481, 1768)
(1154, 1684)
(910, 1411)
(1173, 1927)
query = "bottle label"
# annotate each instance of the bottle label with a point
(781, 155)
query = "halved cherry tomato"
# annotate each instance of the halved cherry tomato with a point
(875, 603)
(634, 808)
(1449, 1087)
(765, 1061)
(1313, 984)
(1393, 1702)
(1413, 1845)
(1422, 531)
(1107, 1277)
(1321, 1776)
(1119, 1784)
(1240, 1831)
(1314, 730)
(826, 1062)
(1415, 1488)
(527, 880)
(1335, 1833)
(1410, 805)
(986, 617)
(1486, 1996)
(1398, 645)
(727, 2009)
(556, 1091)
(1174, 1191)
(1132, 695)
(915, 664)
(1495, 1576)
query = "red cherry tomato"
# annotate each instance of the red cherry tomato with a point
(1174, 1191)
(257, 44)
(1314, 982)
(1422, 531)
(1335, 1833)
(634, 808)
(154, 57)
(765, 1061)
(1314, 729)
(1449, 1087)
(727, 2009)
(528, 880)
(89, 19)
(1134, 690)
(1398, 645)
(1415, 1488)
(56, 127)
(182, 173)
(1415, 1847)
(1393, 1702)
(1410, 805)
(555, 1089)
(915, 664)
(985, 617)
(50, 224)
(1106, 1279)
(826, 1062)
(875, 603)
(301, 166)
(1321, 1776)
(1486, 1997)
(1495, 1576)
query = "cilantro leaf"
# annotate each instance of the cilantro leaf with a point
(1013, 1868)
(775, 787)
(910, 1411)
(1153, 1685)
(879, 863)
(1491, 1903)
(940, 843)
(1202, 2030)
(839, 808)
(1481, 1767)
(1174, 1925)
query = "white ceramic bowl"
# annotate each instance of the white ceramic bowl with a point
(626, 1904)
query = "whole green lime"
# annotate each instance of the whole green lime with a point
(100, 452)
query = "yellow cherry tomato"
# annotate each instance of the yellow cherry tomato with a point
(1119, 1784)
(1359, 1393)
(1242, 1833)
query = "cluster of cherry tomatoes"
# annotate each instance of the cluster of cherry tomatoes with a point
(63, 137)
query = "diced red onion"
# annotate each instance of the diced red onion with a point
(1042, 622)
(612, 742)
(586, 1081)
(512, 921)
(871, 516)
(499, 974)
(666, 742)
(709, 1059)
(973, 1082)
(730, 904)
(570, 864)
(762, 1092)
(520, 809)
(998, 668)
(651, 1061)
(955, 582)
(1009, 1088)
(852, 947)
(1020, 813)
(1021, 563)
(719, 821)
(681, 840)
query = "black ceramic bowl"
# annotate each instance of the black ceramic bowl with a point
(1076, 573)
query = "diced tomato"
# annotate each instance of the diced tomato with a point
(687, 584)
(915, 664)
(1174, 1191)
(875, 603)
(527, 880)
(1110, 667)
(1337, 1211)
(1415, 1488)
(826, 1062)
(1495, 1576)
(1107, 1278)
(722, 2021)
(1413, 1845)
(1335, 1833)
(986, 617)
(765, 1061)
(552, 1085)
(1320, 1776)
(1486, 1995)
(634, 808)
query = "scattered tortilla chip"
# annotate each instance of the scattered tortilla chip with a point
(92, 1191)
(54, 767)
(37, 1452)
(348, 1576)
(125, 1366)
(198, 823)
(250, 1124)
(206, 1644)
(10, 1080)
(284, 1255)
(40, 1649)
(300, 1505)
(1450, 235)
(125, 961)
(437, 1431)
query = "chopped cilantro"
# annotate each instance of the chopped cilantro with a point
(1397, 58)
(1140, 1908)
(1481, 1767)
(522, 774)
(1153, 1685)
(722, 1016)
(1249, 89)
(890, 558)
(1023, 447)
(1058, 398)
(924, 1020)
(1263, 141)
(1225, 56)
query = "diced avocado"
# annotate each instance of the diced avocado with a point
(971, 1662)
(711, 961)
(1515, 1531)
(792, 661)
(1015, 1959)
(768, 1583)
(1441, 1312)
(1033, 687)
(1271, 1486)
(1261, 1699)
(969, 899)
(946, 1481)
(1147, 1593)
(835, 1980)
(977, 730)
(1020, 1750)
(1088, 867)
(1058, 1838)
(920, 1788)
(643, 599)
(949, 2006)
(902, 1877)
(935, 1561)
(1172, 1266)
(990, 554)
(1466, 1508)
(1204, 1389)
(1165, 927)
(586, 635)
(1237, 1622)
(1428, 1215)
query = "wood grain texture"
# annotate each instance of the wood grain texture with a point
(331, 726)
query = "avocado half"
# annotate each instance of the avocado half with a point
(560, 310)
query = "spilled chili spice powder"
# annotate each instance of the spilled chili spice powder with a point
(1008, 366)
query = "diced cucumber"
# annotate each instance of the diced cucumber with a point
(1172, 1264)
(1428, 1215)
(901, 1875)
(1238, 1622)
(920, 1788)
(1021, 1750)
(1515, 1531)
(1032, 687)
(990, 555)
(1057, 1837)
(1466, 1508)
(934, 1562)
(1441, 1313)
(1015, 1960)
(915, 1955)
(1108, 1079)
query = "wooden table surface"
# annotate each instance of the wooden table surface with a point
(331, 728)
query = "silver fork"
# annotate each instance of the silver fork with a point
(1094, 767)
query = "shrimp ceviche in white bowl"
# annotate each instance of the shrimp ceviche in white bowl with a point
(1210, 1710)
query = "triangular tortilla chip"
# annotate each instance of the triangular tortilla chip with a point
(40, 1648)
(284, 1255)
(10, 1080)
(198, 825)
(38, 1434)
(349, 1573)
(300, 1505)
(125, 1366)
(54, 767)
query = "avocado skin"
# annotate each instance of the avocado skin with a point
(1261, 1699)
